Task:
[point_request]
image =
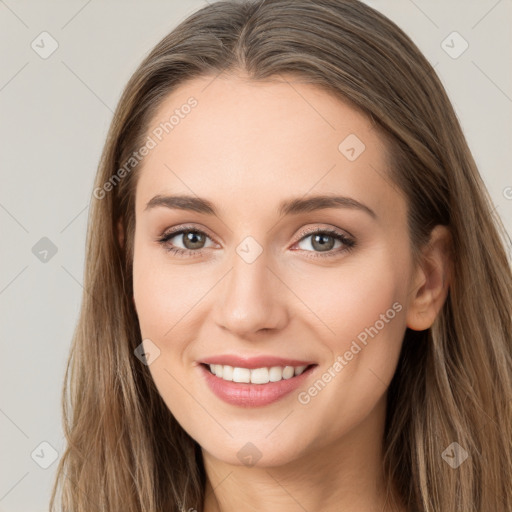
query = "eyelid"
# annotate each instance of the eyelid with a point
(185, 227)
(322, 229)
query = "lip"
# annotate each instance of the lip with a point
(253, 395)
(254, 362)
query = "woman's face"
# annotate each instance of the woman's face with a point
(254, 282)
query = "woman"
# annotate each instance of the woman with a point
(297, 296)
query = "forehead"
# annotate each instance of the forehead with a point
(247, 143)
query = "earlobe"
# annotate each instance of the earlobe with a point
(432, 281)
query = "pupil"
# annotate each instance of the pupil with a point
(324, 246)
(193, 238)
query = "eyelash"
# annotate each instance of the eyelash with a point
(348, 242)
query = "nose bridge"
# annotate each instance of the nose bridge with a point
(250, 300)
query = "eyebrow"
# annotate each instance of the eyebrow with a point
(293, 206)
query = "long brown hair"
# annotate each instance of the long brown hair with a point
(125, 451)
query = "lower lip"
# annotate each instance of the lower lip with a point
(252, 395)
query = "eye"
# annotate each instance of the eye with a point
(193, 242)
(324, 240)
(192, 239)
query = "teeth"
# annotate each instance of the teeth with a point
(240, 375)
(299, 369)
(288, 372)
(259, 376)
(256, 375)
(276, 373)
(227, 372)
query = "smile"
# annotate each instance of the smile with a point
(256, 375)
(254, 387)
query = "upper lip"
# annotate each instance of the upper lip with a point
(254, 362)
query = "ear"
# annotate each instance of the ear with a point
(120, 232)
(432, 280)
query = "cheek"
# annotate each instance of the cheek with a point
(163, 296)
(361, 306)
(153, 299)
(369, 326)
(352, 296)
(164, 292)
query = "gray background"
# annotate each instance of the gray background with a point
(55, 113)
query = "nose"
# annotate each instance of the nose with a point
(251, 298)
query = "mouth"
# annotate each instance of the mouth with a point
(254, 387)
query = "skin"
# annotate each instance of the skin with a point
(246, 147)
